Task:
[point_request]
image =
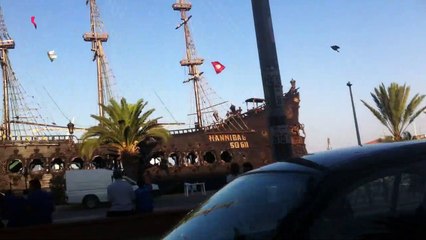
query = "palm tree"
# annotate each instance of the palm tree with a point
(123, 127)
(392, 108)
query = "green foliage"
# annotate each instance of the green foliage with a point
(123, 127)
(392, 109)
(88, 147)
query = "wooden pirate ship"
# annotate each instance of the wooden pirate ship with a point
(221, 134)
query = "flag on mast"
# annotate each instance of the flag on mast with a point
(218, 67)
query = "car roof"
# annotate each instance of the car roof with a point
(354, 157)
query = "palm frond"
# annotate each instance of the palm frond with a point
(392, 109)
(88, 147)
(123, 127)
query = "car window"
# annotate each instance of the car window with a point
(374, 196)
(369, 208)
(249, 207)
(412, 193)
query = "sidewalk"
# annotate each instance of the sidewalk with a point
(163, 203)
(180, 201)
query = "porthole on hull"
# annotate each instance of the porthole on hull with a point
(209, 157)
(57, 165)
(77, 163)
(15, 166)
(226, 156)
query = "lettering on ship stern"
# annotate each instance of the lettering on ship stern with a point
(235, 140)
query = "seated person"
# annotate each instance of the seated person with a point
(144, 199)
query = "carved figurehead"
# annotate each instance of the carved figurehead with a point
(291, 106)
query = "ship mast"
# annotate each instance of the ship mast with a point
(191, 61)
(6, 42)
(97, 37)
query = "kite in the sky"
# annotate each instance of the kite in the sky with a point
(218, 67)
(33, 22)
(52, 55)
(335, 48)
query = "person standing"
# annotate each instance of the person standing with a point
(247, 167)
(121, 196)
(40, 204)
(144, 198)
(15, 210)
(234, 172)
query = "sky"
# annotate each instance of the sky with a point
(382, 41)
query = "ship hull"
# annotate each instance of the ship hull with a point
(194, 155)
(190, 155)
(20, 157)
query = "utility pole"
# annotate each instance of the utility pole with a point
(328, 144)
(349, 84)
(271, 80)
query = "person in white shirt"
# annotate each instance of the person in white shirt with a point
(121, 196)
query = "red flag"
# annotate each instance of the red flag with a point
(218, 67)
(33, 21)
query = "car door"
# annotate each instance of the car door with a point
(388, 204)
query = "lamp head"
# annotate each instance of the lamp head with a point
(70, 127)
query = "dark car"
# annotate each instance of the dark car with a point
(370, 192)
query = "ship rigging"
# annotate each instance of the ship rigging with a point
(208, 112)
(20, 118)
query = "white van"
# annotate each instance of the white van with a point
(89, 187)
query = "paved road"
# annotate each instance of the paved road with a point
(73, 213)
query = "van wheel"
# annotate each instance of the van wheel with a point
(90, 201)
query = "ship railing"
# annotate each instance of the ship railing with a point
(183, 131)
(50, 138)
(216, 125)
(245, 114)
(192, 130)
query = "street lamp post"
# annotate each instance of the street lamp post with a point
(349, 84)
